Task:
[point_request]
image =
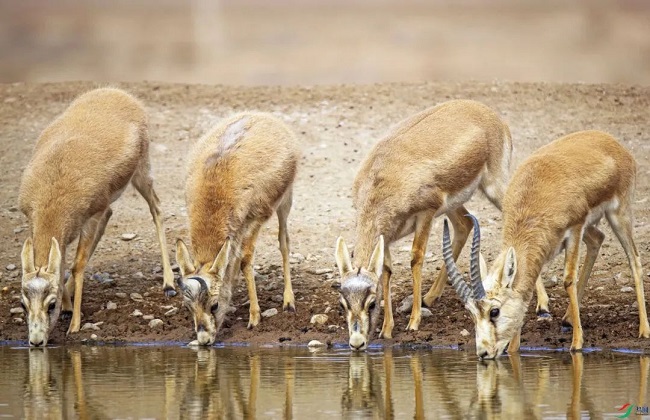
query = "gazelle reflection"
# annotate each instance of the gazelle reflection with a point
(43, 394)
(363, 394)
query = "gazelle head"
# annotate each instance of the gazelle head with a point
(498, 313)
(358, 293)
(203, 291)
(41, 292)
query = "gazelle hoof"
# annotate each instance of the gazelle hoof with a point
(170, 292)
(289, 307)
(544, 315)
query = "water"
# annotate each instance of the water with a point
(242, 382)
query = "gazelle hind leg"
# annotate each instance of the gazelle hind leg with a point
(91, 233)
(143, 182)
(422, 231)
(462, 227)
(621, 222)
(284, 208)
(593, 239)
(572, 256)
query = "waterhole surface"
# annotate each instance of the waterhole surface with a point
(242, 382)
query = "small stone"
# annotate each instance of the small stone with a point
(89, 326)
(296, 258)
(93, 337)
(627, 289)
(464, 333)
(550, 282)
(111, 306)
(318, 319)
(156, 323)
(138, 275)
(406, 305)
(18, 321)
(14, 274)
(146, 294)
(327, 310)
(17, 310)
(147, 317)
(18, 230)
(102, 278)
(332, 327)
(599, 288)
(316, 343)
(319, 271)
(137, 297)
(277, 299)
(269, 313)
(120, 295)
(136, 312)
(128, 236)
(425, 313)
(157, 269)
(5, 289)
(172, 311)
(231, 310)
(271, 286)
(11, 267)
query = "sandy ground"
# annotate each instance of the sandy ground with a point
(337, 125)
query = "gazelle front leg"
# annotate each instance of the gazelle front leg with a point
(288, 303)
(248, 249)
(572, 255)
(387, 326)
(422, 230)
(542, 299)
(91, 233)
(462, 227)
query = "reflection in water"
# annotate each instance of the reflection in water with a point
(179, 383)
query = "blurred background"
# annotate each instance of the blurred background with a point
(255, 42)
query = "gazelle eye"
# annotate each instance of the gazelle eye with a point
(214, 307)
(494, 312)
(371, 306)
(51, 306)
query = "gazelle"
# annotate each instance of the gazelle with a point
(429, 164)
(239, 174)
(555, 199)
(81, 164)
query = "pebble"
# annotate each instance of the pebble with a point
(332, 327)
(269, 313)
(120, 295)
(93, 337)
(319, 271)
(231, 310)
(425, 313)
(327, 310)
(599, 288)
(318, 319)
(550, 282)
(17, 310)
(18, 230)
(5, 289)
(102, 278)
(148, 317)
(138, 275)
(627, 289)
(406, 304)
(128, 236)
(136, 312)
(316, 343)
(11, 267)
(89, 326)
(464, 333)
(136, 297)
(277, 299)
(111, 306)
(18, 320)
(156, 323)
(271, 286)
(172, 311)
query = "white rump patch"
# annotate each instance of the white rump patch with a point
(234, 132)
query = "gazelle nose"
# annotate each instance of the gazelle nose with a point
(361, 346)
(33, 344)
(483, 355)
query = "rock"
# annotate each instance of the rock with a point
(136, 312)
(14, 274)
(120, 295)
(93, 337)
(319, 271)
(425, 313)
(172, 311)
(296, 258)
(332, 328)
(406, 304)
(271, 286)
(5, 289)
(269, 313)
(599, 288)
(464, 333)
(550, 282)
(156, 323)
(147, 317)
(16, 310)
(111, 306)
(103, 278)
(327, 310)
(231, 310)
(627, 289)
(277, 299)
(318, 319)
(128, 236)
(316, 343)
(137, 297)
(18, 321)
(18, 229)
(89, 326)
(11, 267)
(146, 294)
(138, 275)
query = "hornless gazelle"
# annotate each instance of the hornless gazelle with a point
(81, 163)
(429, 164)
(240, 173)
(554, 200)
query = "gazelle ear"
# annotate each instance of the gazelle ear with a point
(509, 268)
(376, 264)
(342, 256)
(183, 259)
(220, 263)
(54, 259)
(27, 257)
